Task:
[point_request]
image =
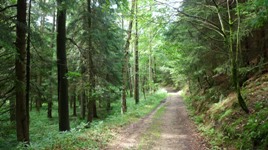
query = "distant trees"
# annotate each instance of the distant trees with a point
(214, 45)
(84, 54)
(225, 30)
(208, 45)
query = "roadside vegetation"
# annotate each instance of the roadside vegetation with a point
(65, 65)
(101, 130)
(218, 50)
(223, 122)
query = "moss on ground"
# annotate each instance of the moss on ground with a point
(226, 125)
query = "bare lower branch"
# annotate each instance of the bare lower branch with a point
(3, 9)
(204, 21)
(79, 48)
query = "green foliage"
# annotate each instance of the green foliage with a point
(212, 133)
(174, 50)
(45, 135)
(198, 57)
(72, 75)
(226, 113)
(255, 12)
(256, 131)
(225, 125)
(7, 57)
(107, 41)
(198, 119)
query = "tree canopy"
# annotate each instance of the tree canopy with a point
(81, 57)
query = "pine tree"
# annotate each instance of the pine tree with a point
(64, 123)
(22, 113)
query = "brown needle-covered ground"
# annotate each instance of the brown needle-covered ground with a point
(167, 128)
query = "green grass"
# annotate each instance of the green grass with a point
(44, 133)
(154, 132)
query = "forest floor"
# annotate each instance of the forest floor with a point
(168, 127)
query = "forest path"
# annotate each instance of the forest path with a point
(166, 128)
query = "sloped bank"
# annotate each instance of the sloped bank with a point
(225, 124)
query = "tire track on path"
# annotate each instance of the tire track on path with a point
(177, 131)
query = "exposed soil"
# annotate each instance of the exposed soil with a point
(173, 130)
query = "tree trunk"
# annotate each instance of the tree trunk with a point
(90, 66)
(74, 107)
(106, 97)
(108, 102)
(144, 87)
(50, 99)
(234, 58)
(150, 62)
(38, 98)
(22, 112)
(71, 98)
(130, 81)
(89, 110)
(95, 113)
(263, 43)
(64, 124)
(125, 63)
(136, 83)
(83, 105)
(28, 61)
(74, 100)
(154, 73)
(124, 95)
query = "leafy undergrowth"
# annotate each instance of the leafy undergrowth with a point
(226, 125)
(45, 136)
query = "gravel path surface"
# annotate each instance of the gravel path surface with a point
(173, 130)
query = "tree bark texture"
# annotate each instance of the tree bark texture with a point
(95, 113)
(130, 81)
(136, 83)
(150, 63)
(28, 61)
(83, 105)
(22, 115)
(63, 109)
(50, 99)
(126, 59)
(234, 60)
(74, 100)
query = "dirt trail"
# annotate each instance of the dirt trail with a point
(173, 130)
